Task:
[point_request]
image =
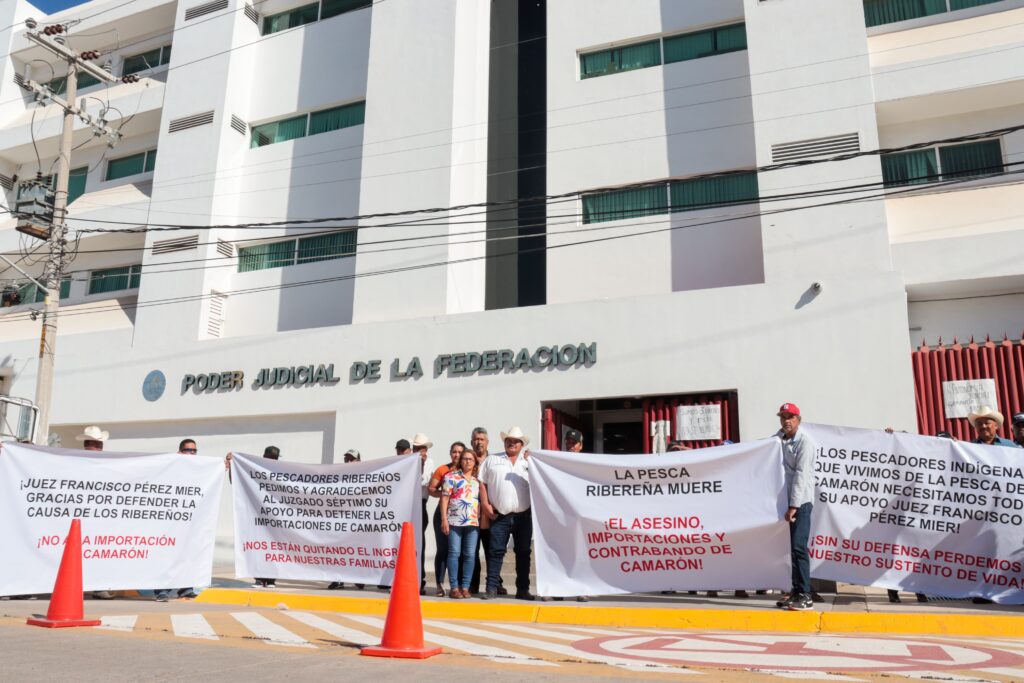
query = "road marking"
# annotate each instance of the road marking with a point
(808, 675)
(349, 635)
(492, 653)
(268, 631)
(1016, 674)
(943, 676)
(192, 626)
(120, 622)
(571, 652)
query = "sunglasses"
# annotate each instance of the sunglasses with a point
(188, 450)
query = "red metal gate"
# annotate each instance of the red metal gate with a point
(1002, 362)
(664, 409)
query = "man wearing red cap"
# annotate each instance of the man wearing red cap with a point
(798, 464)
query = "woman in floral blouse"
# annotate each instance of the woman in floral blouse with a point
(460, 521)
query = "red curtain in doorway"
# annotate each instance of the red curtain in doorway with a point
(551, 428)
(1002, 362)
(663, 410)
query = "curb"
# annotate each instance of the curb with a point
(941, 623)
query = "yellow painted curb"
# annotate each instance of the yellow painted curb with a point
(771, 620)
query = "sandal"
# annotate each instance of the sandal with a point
(439, 593)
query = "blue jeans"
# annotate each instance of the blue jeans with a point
(461, 544)
(799, 533)
(518, 525)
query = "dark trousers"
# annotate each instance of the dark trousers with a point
(799, 534)
(423, 545)
(518, 525)
(441, 540)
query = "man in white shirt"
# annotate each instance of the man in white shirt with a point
(505, 499)
(420, 444)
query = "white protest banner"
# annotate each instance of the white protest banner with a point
(961, 397)
(918, 513)
(323, 522)
(706, 519)
(148, 521)
(699, 423)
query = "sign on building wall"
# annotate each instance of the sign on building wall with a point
(699, 423)
(963, 396)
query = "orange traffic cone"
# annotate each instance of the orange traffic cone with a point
(403, 629)
(67, 604)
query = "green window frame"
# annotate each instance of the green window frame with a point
(954, 5)
(314, 123)
(30, 293)
(115, 279)
(879, 12)
(298, 16)
(619, 59)
(279, 131)
(150, 59)
(297, 251)
(332, 8)
(702, 193)
(134, 164)
(76, 182)
(617, 205)
(715, 41)
(65, 287)
(337, 118)
(981, 158)
(85, 80)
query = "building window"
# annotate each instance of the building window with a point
(620, 59)
(303, 250)
(945, 162)
(143, 162)
(85, 80)
(715, 41)
(317, 122)
(618, 205)
(115, 279)
(332, 8)
(878, 12)
(147, 60)
(701, 193)
(306, 14)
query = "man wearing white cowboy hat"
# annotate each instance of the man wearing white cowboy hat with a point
(505, 499)
(92, 438)
(420, 444)
(987, 423)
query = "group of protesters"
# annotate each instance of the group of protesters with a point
(484, 501)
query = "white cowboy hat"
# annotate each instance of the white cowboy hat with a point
(987, 413)
(517, 434)
(93, 433)
(422, 440)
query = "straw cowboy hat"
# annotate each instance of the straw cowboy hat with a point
(422, 440)
(517, 434)
(94, 433)
(986, 413)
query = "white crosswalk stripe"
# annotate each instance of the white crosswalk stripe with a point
(808, 675)
(349, 635)
(268, 631)
(120, 622)
(192, 626)
(943, 676)
(488, 652)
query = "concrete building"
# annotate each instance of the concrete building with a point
(445, 292)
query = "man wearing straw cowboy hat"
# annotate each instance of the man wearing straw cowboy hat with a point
(987, 423)
(505, 499)
(92, 438)
(420, 444)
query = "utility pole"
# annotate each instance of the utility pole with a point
(57, 259)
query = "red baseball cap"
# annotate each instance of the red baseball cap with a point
(791, 408)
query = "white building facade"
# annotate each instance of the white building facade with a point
(492, 213)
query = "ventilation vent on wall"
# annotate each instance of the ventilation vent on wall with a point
(215, 317)
(6, 182)
(19, 80)
(192, 121)
(205, 8)
(238, 124)
(225, 249)
(176, 244)
(816, 147)
(251, 12)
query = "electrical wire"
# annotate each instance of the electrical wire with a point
(401, 269)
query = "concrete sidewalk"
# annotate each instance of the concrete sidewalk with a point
(853, 609)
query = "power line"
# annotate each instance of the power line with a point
(200, 297)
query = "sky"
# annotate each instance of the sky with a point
(51, 6)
